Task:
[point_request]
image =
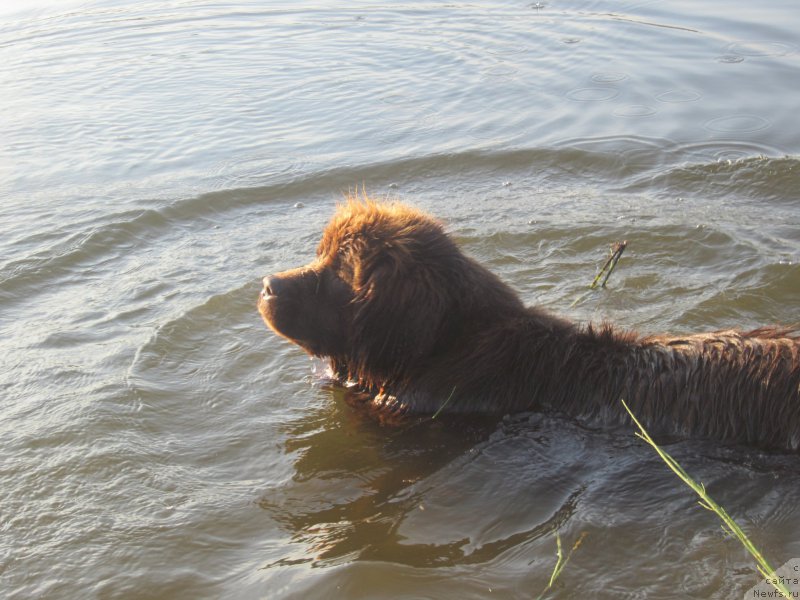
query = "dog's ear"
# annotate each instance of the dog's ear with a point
(400, 308)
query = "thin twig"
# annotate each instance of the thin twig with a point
(617, 248)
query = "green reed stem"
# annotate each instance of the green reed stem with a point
(441, 408)
(561, 562)
(729, 525)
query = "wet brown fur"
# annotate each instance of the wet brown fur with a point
(397, 307)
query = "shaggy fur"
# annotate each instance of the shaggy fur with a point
(399, 309)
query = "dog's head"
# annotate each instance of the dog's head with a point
(375, 297)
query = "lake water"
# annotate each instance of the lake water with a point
(158, 158)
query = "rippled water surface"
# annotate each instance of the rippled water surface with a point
(158, 158)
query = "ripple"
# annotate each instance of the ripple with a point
(737, 124)
(395, 98)
(393, 134)
(723, 151)
(507, 50)
(678, 96)
(609, 77)
(572, 40)
(407, 114)
(635, 110)
(255, 171)
(636, 153)
(592, 94)
(501, 71)
(483, 132)
(760, 48)
(731, 155)
(730, 58)
(618, 143)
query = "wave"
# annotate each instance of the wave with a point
(620, 164)
(758, 178)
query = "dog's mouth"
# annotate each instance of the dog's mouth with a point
(266, 305)
(261, 304)
(307, 308)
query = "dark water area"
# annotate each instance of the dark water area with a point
(158, 159)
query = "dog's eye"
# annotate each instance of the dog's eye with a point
(331, 287)
(344, 272)
(325, 279)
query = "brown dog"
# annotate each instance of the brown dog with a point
(399, 309)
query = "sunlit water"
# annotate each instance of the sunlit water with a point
(158, 158)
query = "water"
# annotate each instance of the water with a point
(158, 158)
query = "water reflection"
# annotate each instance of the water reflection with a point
(489, 495)
(433, 494)
(356, 481)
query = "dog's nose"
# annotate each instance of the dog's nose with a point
(272, 285)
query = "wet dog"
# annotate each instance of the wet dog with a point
(399, 309)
